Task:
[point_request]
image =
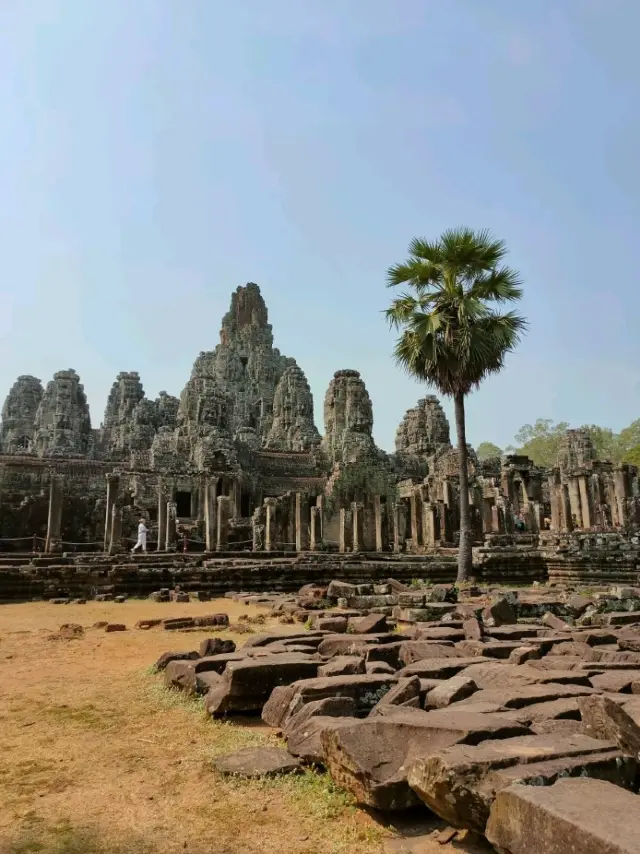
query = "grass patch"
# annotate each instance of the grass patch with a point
(62, 838)
(87, 716)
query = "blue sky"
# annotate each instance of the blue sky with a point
(156, 154)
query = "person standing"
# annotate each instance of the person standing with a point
(142, 538)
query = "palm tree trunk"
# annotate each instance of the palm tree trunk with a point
(465, 564)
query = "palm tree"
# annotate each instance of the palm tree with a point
(451, 335)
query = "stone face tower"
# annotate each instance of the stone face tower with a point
(62, 422)
(348, 418)
(424, 429)
(576, 450)
(245, 364)
(292, 427)
(19, 414)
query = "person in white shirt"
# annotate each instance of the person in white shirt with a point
(142, 537)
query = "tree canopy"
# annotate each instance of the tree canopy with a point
(540, 441)
(453, 331)
(487, 450)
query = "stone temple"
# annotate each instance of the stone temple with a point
(236, 464)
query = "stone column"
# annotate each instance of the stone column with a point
(567, 521)
(377, 521)
(585, 502)
(357, 519)
(622, 491)
(236, 500)
(430, 525)
(224, 512)
(574, 501)
(162, 518)
(210, 513)
(345, 534)
(415, 521)
(302, 522)
(171, 531)
(113, 484)
(270, 524)
(555, 498)
(54, 519)
(315, 538)
(395, 524)
(115, 540)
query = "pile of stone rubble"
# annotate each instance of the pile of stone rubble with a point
(515, 715)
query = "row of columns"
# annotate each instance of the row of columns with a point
(598, 499)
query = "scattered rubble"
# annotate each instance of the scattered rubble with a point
(482, 706)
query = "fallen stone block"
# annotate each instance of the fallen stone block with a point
(436, 668)
(257, 762)
(581, 815)
(184, 676)
(349, 644)
(430, 611)
(400, 693)
(473, 629)
(167, 657)
(216, 646)
(452, 690)
(491, 674)
(365, 690)
(442, 634)
(379, 667)
(556, 726)
(522, 654)
(331, 624)
(606, 719)
(309, 638)
(556, 623)
(418, 650)
(246, 685)
(499, 613)
(619, 681)
(115, 627)
(528, 695)
(371, 624)
(341, 590)
(460, 783)
(371, 758)
(517, 632)
(487, 648)
(342, 665)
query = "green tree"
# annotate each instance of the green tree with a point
(451, 334)
(486, 450)
(628, 440)
(632, 456)
(540, 441)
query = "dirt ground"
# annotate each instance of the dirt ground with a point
(96, 757)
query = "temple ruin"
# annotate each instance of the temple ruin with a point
(236, 464)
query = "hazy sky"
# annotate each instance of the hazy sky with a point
(156, 154)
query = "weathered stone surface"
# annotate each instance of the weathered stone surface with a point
(403, 691)
(342, 665)
(582, 815)
(292, 426)
(371, 758)
(330, 624)
(499, 613)
(19, 415)
(62, 424)
(411, 651)
(216, 646)
(257, 762)
(167, 657)
(436, 668)
(459, 783)
(451, 691)
(246, 685)
(371, 624)
(424, 429)
(348, 419)
(364, 689)
(604, 718)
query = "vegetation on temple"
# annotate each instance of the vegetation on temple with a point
(357, 482)
(487, 450)
(452, 335)
(541, 441)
